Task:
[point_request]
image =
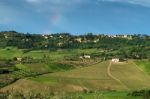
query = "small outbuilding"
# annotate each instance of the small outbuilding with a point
(19, 59)
(85, 57)
(115, 60)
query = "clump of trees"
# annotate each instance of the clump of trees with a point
(144, 93)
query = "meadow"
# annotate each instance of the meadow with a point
(62, 72)
(144, 65)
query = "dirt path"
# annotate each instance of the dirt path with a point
(113, 77)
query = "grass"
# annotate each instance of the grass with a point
(104, 95)
(95, 78)
(97, 71)
(41, 67)
(82, 95)
(33, 68)
(21, 66)
(91, 78)
(131, 75)
(144, 65)
(5, 79)
(10, 52)
(45, 80)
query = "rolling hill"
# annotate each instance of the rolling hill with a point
(102, 76)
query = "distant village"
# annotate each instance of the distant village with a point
(81, 39)
(66, 37)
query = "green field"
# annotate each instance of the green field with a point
(103, 95)
(106, 80)
(11, 52)
(94, 78)
(131, 75)
(144, 65)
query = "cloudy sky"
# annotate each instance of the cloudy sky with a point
(75, 16)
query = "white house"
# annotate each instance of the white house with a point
(81, 57)
(125, 36)
(115, 60)
(60, 36)
(95, 41)
(59, 44)
(87, 56)
(19, 59)
(79, 40)
(5, 36)
(46, 37)
(51, 36)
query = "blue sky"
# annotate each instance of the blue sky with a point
(76, 16)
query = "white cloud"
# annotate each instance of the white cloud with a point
(53, 6)
(32, 1)
(60, 2)
(145, 3)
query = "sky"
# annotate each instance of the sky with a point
(76, 16)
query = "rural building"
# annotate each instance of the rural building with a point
(81, 57)
(78, 40)
(95, 41)
(125, 36)
(60, 36)
(60, 44)
(19, 59)
(51, 36)
(115, 60)
(85, 57)
(45, 36)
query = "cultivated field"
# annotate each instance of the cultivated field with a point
(92, 78)
(62, 72)
(131, 75)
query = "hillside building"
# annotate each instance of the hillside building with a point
(115, 60)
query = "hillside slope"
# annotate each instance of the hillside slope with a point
(94, 77)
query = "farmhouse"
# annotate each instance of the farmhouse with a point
(81, 57)
(59, 44)
(85, 57)
(115, 60)
(45, 36)
(78, 40)
(60, 36)
(19, 59)
(95, 41)
(51, 36)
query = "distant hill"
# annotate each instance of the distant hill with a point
(127, 46)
